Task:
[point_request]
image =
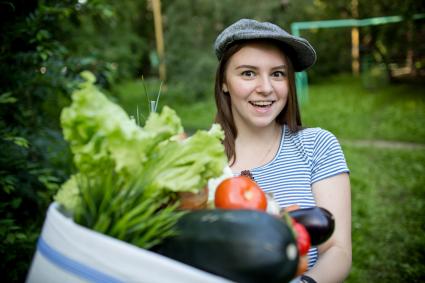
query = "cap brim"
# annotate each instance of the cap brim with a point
(301, 53)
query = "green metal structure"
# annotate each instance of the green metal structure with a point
(296, 27)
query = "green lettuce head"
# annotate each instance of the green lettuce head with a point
(100, 132)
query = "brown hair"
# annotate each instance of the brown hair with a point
(290, 114)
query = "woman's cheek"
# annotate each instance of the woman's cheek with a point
(243, 88)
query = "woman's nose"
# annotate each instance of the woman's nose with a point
(264, 85)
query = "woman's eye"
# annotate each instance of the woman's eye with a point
(278, 74)
(248, 74)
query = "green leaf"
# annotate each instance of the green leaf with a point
(19, 141)
(99, 130)
(7, 98)
(127, 174)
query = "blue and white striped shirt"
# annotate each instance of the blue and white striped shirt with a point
(303, 158)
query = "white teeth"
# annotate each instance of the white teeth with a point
(261, 103)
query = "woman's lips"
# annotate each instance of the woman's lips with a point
(261, 106)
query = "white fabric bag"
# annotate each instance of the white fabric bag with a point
(68, 252)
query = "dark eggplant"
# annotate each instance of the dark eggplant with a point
(245, 246)
(318, 221)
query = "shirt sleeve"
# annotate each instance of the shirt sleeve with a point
(328, 159)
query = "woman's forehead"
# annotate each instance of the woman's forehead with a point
(254, 53)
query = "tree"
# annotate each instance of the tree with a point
(191, 28)
(44, 47)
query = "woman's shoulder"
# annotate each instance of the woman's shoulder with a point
(312, 140)
(311, 134)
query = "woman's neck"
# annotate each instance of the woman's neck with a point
(252, 135)
(256, 147)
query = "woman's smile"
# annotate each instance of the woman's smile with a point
(262, 106)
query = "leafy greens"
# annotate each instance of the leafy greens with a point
(126, 174)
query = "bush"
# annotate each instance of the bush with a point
(45, 45)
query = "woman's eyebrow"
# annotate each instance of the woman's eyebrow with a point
(283, 66)
(246, 67)
(279, 67)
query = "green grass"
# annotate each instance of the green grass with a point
(388, 214)
(340, 104)
(343, 106)
(194, 113)
(388, 185)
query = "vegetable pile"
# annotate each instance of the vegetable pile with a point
(244, 240)
(176, 196)
(128, 176)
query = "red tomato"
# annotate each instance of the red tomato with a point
(240, 193)
(303, 238)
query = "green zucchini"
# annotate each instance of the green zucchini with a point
(245, 246)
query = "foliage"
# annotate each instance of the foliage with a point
(190, 35)
(44, 46)
(95, 35)
(128, 175)
(194, 114)
(393, 45)
(32, 159)
(192, 26)
(112, 205)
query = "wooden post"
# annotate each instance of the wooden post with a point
(156, 7)
(355, 41)
(410, 52)
(355, 53)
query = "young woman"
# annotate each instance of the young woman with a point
(257, 108)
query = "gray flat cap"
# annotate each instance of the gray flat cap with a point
(300, 51)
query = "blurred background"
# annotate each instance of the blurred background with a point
(367, 87)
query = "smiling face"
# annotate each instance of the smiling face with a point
(256, 79)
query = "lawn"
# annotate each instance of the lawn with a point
(194, 113)
(388, 188)
(345, 107)
(341, 105)
(388, 184)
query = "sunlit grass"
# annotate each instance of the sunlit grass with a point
(194, 113)
(343, 106)
(388, 214)
(340, 104)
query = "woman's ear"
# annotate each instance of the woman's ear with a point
(224, 88)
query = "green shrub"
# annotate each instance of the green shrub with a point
(45, 45)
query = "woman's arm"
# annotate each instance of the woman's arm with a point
(334, 261)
